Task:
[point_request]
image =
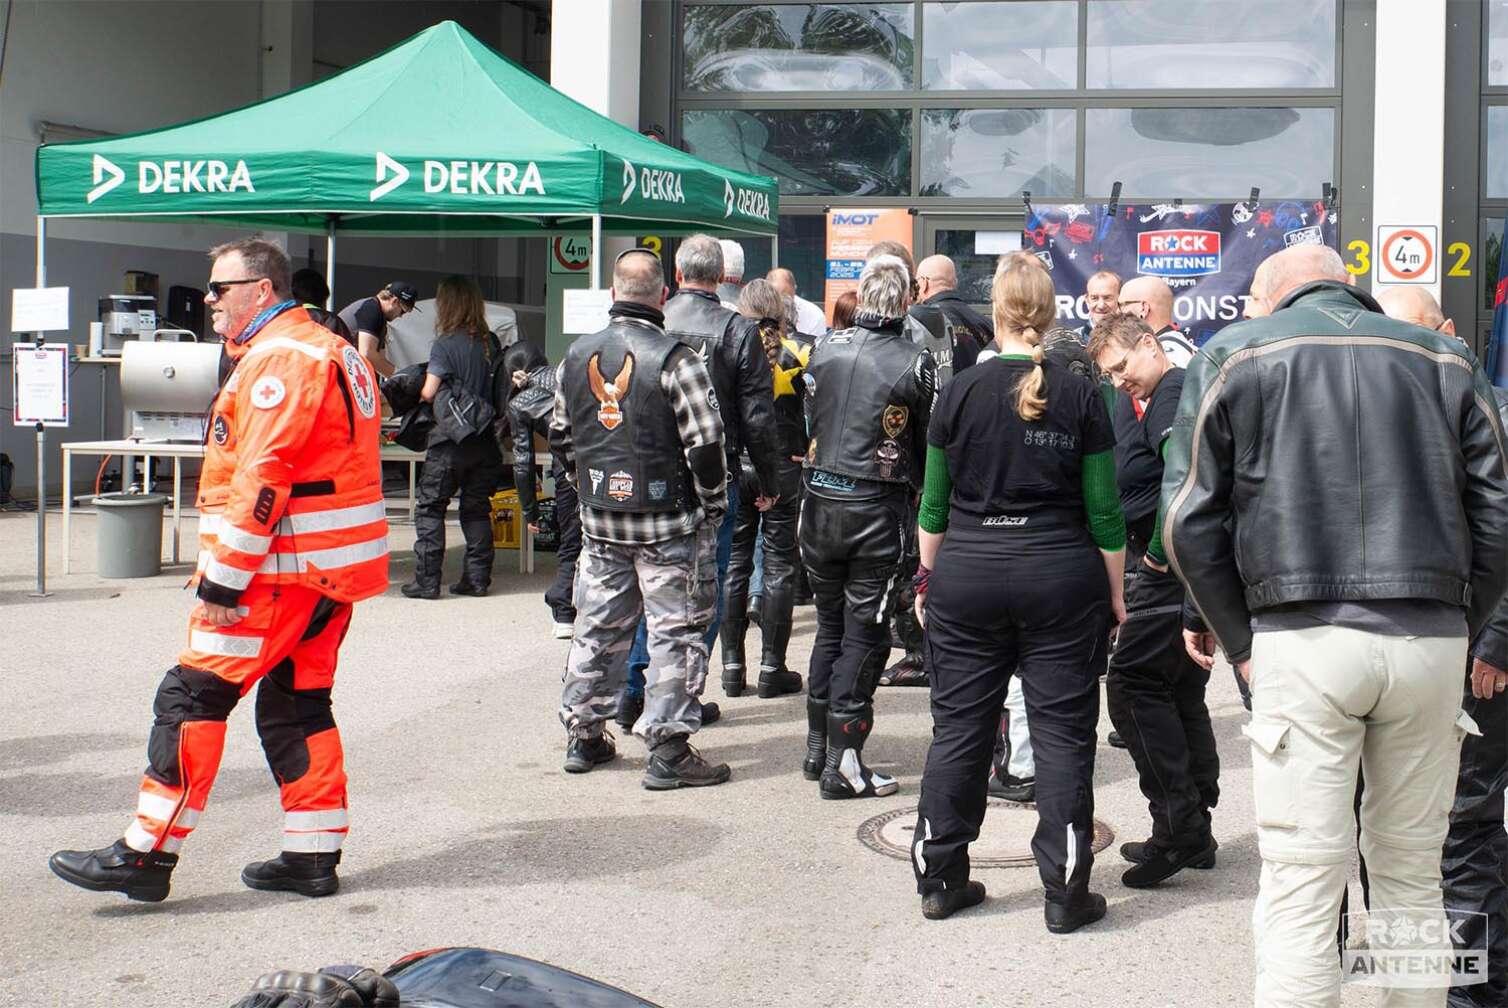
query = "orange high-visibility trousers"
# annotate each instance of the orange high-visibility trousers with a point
(287, 639)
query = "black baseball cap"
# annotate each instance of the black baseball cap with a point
(405, 293)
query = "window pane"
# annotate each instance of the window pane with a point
(1204, 153)
(1495, 174)
(803, 251)
(1000, 46)
(998, 152)
(799, 47)
(976, 273)
(1177, 44)
(1491, 245)
(1497, 43)
(830, 152)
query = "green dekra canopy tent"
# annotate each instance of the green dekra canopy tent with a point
(439, 134)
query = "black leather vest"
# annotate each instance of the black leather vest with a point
(935, 333)
(702, 323)
(860, 413)
(629, 455)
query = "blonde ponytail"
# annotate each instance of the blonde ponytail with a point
(1031, 390)
(1023, 304)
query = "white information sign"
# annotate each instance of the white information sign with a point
(585, 311)
(38, 309)
(41, 384)
(996, 242)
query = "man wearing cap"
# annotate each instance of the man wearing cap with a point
(368, 319)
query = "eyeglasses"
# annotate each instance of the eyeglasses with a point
(1128, 304)
(1118, 369)
(217, 287)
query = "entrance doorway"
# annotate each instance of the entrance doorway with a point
(975, 244)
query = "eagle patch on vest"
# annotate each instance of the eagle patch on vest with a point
(894, 420)
(608, 393)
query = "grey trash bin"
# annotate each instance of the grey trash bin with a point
(130, 534)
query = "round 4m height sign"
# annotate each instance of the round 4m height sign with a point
(1406, 254)
(570, 254)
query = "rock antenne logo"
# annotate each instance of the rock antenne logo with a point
(1178, 253)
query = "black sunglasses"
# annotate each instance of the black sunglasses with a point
(217, 287)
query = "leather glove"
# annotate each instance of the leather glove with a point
(363, 988)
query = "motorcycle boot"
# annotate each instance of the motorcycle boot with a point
(816, 739)
(845, 775)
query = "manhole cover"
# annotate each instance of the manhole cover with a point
(1005, 839)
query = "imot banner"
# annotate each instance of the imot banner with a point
(1206, 252)
(850, 233)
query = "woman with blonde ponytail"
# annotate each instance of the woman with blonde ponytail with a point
(1021, 520)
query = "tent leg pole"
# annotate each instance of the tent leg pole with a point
(41, 251)
(330, 263)
(774, 251)
(596, 256)
(41, 591)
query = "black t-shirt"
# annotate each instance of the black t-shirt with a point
(1000, 463)
(467, 363)
(1138, 463)
(366, 316)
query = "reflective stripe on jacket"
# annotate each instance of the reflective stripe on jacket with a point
(291, 489)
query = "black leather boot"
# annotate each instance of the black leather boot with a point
(845, 775)
(117, 868)
(816, 739)
(731, 636)
(291, 871)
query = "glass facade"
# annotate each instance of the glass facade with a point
(1495, 139)
(798, 47)
(969, 103)
(996, 152)
(813, 152)
(1180, 45)
(1497, 44)
(1215, 152)
(1000, 46)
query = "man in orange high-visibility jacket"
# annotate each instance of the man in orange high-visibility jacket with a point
(292, 533)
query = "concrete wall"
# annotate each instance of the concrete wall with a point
(114, 66)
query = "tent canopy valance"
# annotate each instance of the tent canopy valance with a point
(439, 134)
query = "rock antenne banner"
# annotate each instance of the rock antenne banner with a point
(1206, 252)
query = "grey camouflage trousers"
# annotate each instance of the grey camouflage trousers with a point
(675, 584)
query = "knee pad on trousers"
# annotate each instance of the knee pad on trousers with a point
(286, 718)
(185, 694)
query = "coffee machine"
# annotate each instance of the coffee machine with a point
(126, 317)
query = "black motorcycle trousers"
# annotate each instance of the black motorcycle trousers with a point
(472, 470)
(1155, 693)
(1002, 603)
(851, 550)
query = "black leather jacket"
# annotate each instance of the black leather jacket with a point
(1330, 453)
(529, 410)
(735, 358)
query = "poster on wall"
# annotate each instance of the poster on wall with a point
(850, 233)
(1206, 252)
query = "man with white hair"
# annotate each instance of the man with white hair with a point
(733, 273)
(1337, 504)
(870, 397)
(809, 318)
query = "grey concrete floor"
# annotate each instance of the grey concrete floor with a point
(465, 831)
